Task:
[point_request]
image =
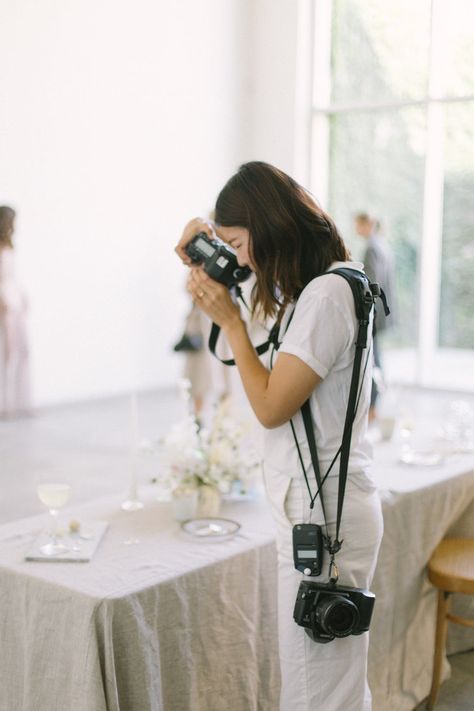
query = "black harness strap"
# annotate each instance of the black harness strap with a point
(262, 348)
(356, 280)
(364, 294)
(363, 300)
(364, 297)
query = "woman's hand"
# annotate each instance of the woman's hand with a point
(190, 231)
(213, 298)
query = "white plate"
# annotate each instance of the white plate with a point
(424, 459)
(210, 528)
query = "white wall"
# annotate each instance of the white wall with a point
(118, 122)
(274, 25)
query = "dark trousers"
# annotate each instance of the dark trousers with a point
(377, 364)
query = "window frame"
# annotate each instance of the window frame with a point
(427, 364)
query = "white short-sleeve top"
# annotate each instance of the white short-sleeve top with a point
(322, 333)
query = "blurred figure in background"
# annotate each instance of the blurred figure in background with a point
(14, 362)
(378, 265)
(208, 377)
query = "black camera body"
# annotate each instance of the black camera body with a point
(328, 611)
(219, 262)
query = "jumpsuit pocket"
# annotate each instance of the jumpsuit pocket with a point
(293, 502)
(277, 487)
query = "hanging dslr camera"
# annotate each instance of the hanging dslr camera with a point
(218, 260)
(328, 611)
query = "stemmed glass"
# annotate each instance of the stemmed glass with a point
(459, 427)
(54, 495)
(407, 426)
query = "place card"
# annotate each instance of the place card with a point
(81, 544)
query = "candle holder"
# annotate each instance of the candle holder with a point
(133, 503)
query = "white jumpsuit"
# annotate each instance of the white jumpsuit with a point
(322, 333)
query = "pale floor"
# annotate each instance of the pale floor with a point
(457, 693)
(88, 443)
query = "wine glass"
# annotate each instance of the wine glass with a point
(54, 495)
(459, 426)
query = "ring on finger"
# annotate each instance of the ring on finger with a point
(200, 294)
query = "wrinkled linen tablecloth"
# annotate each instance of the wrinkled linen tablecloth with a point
(421, 505)
(168, 623)
(171, 624)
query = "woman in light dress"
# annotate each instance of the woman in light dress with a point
(208, 379)
(14, 365)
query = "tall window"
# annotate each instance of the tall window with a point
(393, 135)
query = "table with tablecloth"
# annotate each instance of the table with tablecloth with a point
(165, 623)
(421, 505)
(174, 624)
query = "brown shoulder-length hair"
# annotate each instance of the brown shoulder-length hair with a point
(292, 240)
(7, 218)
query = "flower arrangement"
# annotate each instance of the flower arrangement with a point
(219, 456)
(182, 462)
(231, 460)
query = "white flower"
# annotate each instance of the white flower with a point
(218, 456)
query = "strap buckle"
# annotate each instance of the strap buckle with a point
(334, 546)
(273, 336)
(333, 571)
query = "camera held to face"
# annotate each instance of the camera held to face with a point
(327, 610)
(219, 261)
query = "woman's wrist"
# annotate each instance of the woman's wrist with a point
(233, 325)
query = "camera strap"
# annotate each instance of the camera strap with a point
(309, 429)
(262, 348)
(365, 294)
(364, 298)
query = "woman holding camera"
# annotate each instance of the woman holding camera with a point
(276, 228)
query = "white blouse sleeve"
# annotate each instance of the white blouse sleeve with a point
(321, 331)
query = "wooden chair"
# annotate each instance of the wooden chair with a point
(451, 570)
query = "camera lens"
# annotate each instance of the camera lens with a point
(337, 615)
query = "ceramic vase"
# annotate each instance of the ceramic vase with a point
(209, 501)
(185, 503)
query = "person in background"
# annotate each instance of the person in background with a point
(208, 378)
(378, 265)
(14, 356)
(276, 228)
